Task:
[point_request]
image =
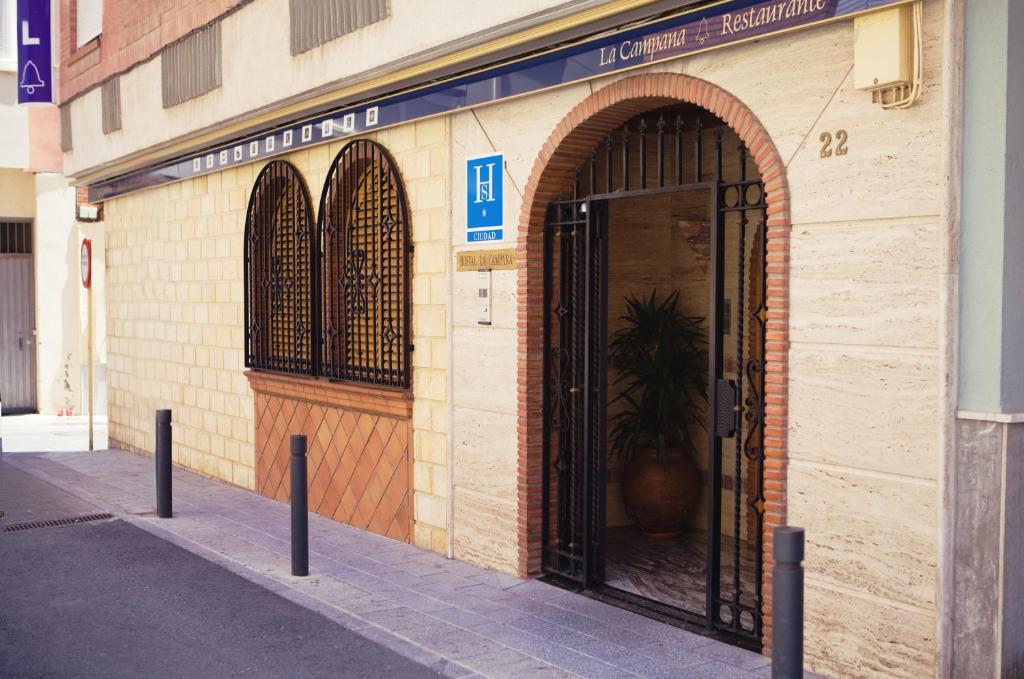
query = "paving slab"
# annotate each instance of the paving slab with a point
(454, 617)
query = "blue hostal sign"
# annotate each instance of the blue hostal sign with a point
(35, 52)
(485, 199)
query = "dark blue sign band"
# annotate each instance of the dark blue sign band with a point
(35, 52)
(696, 30)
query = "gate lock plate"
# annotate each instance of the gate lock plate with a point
(727, 408)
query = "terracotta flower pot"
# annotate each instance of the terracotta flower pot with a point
(659, 494)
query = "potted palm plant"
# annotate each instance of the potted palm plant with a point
(660, 357)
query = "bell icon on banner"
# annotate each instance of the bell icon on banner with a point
(702, 32)
(30, 78)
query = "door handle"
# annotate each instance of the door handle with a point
(21, 343)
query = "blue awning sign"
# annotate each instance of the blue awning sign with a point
(691, 30)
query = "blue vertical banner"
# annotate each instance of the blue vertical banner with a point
(485, 198)
(35, 52)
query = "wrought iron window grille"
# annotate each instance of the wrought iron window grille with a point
(330, 298)
(364, 259)
(280, 273)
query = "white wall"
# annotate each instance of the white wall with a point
(13, 124)
(57, 292)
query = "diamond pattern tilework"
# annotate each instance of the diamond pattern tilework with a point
(358, 450)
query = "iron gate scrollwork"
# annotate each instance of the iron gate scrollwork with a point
(576, 385)
(682, 149)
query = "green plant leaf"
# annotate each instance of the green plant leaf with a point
(660, 358)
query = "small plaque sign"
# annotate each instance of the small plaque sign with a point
(477, 260)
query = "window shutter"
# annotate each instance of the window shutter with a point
(8, 51)
(192, 66)
(65, 127)
(314, 22)
(89, 21)
(111, 105)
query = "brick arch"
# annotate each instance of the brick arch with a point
(553, 171)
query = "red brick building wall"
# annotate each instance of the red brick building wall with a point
(133, 32)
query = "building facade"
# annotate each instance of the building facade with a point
(42, 312)
(424, 243)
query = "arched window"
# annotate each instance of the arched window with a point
(279, 273)
(364, 248)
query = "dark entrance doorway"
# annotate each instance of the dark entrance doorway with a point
(669, 211)
(17, 318)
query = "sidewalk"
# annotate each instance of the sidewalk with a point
(52, 433)
(456, 618)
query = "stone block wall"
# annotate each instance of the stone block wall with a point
(175, 314)
(174, 321)
(856, 279)
(857, 423)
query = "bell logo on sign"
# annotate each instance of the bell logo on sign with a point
(485, 199)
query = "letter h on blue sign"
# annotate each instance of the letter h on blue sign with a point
(485, 194)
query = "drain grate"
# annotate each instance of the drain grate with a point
(71, 521)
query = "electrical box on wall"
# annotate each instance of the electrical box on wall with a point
(883, 49)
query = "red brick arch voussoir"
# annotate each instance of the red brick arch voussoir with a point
(567, 146)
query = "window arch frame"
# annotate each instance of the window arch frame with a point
(261, 349)
(359, 161)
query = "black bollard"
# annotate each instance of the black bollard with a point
(162, 458)
(788, 604)
(300, 502)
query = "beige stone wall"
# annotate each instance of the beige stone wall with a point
(863, 396)
(17, 194)
(864, 421)
(175, 305)
(484, 370)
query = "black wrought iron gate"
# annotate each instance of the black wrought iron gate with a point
(576, 255)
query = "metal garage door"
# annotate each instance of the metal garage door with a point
(17, 318)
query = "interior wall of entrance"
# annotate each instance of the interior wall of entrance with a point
(656, 244)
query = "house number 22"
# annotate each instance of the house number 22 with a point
(826, 143)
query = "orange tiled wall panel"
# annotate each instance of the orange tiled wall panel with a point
(359, 462)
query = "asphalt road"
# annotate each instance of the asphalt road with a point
(110, 600)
